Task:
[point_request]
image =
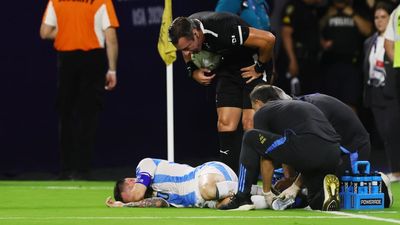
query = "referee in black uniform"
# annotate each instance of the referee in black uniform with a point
(245, 51)
(295, 133)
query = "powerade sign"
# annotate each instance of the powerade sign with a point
(374, 201)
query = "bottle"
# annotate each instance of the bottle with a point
(346, 190)
(356, 183)
(376, 179)
(345, 182)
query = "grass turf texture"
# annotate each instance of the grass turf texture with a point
(82, 203)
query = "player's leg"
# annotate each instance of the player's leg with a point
(256, 144)
(90, 102)
(68, 82)
(218, 181)
(247, 119)
(229, 136)
(229, 109)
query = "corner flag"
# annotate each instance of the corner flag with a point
(166, 49)
(168, 53)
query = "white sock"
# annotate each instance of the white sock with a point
(226, 188)
(259, 201)
(256, 190)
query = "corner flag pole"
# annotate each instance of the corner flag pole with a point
(168, 53)
(170, 112)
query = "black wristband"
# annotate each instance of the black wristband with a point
(260, 67)
(191, 67)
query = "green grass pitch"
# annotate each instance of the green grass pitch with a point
(82, 203)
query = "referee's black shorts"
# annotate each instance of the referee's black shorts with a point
(232, 90)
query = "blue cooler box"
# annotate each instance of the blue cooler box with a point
(361, 189)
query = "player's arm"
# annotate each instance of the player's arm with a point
(264, 41)
(112, 55)
(48, 28)
(144, 174)
(287, 39)
(198, 74)
(389, 37)
(363, 25)
(154, 202)
(48, 32)
(389, 49)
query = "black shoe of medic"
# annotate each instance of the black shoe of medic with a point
(239, 203)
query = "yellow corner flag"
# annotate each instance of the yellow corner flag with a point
(166, 49)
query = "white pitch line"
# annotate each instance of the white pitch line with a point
(171, 217)
(377, 212)
(360, 216)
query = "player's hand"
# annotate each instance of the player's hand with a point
(326, 44)
(113, 204)
(348, 11)
(249, 72)
(290, 192)
(201, 76)
(111, 80)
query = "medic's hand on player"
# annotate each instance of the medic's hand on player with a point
(290, 192)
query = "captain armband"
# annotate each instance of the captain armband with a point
(143, 178)
(191, 67)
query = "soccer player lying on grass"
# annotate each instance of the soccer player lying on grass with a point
(160, 183)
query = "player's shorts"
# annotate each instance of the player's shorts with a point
(218, 168)
(232, 90)
(213, 168)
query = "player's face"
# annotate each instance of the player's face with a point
(188, 45)
(128, 184)
(381, 20)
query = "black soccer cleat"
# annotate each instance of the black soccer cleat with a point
(239, 203)
(331, 193)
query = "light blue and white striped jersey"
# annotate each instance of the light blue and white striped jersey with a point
(178, 183)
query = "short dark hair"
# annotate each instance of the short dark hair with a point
(264, 93)
(181, 27)
(385, 5)
(117, 190)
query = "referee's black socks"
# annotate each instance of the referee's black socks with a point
(229, 148)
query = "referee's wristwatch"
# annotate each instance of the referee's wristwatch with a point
(260, 67)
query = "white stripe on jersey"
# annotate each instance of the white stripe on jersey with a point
(178, 183)
(51, 17)
(240, 35)
(101, 22)
(206, 31)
